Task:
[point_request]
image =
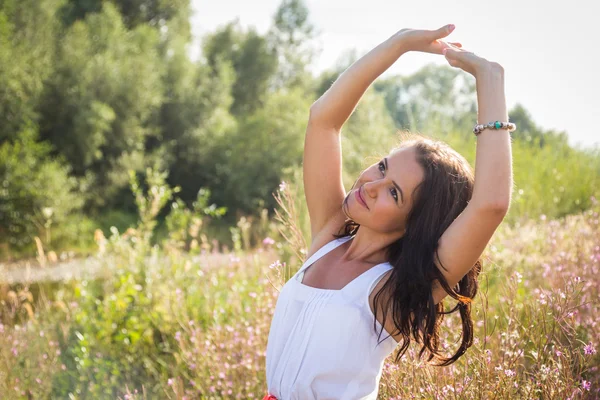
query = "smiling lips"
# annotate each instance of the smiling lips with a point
(359, 198)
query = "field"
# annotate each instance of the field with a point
(153, 321)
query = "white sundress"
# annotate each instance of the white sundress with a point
(322, 344)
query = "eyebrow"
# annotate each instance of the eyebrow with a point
(395, 184)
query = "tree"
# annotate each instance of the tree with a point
(155, 13)
(253, 62)
(28, 30)
(291, 38)
(264, 144)
(194, 123)
(97, 106)
(37, 191)
(431, 98)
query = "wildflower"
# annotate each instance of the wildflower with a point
(268, 241)
(558, 353)
(586, 385)
(170, 382)
(589, 349)
(509, 372)
(518, 277)
(446, 389)
(282, 186)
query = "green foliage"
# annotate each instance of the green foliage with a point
(194, 121)
(264, 144)
(550, 177)
(27, 36)
(37, 192)
(436, 94)
(184, 224)
(149, 204)
(112, 88)
(168, 323)
(253, 63)
(99, 101)
(368, 135)
(291, 38)
(134, 12)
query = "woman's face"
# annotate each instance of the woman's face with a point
(386, 187)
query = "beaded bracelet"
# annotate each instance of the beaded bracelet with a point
(494, 125)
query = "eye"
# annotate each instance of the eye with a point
(393, 189)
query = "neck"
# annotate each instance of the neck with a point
(368, 247)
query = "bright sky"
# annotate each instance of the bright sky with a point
(546, 48)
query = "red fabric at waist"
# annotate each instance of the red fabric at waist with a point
(269, 397)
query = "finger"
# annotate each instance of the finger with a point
(450, 53)
(449, 44)
(443, 31)
(455, 63)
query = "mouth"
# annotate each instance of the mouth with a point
(360, 198)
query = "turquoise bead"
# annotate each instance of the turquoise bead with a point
(498, 124)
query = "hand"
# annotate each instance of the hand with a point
(426, 41)
(469, 61)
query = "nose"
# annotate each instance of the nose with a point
(372, 187)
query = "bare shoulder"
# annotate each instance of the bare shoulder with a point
(325, 235)
(388, 324)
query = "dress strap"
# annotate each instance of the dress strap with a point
(322, 251)
(362, 286)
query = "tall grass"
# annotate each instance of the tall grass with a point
(161, 322)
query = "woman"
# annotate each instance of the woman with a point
(382, 257)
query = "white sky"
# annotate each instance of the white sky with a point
(549, 50)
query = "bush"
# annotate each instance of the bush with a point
(36, 193)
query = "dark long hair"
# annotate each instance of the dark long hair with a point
(443, 194)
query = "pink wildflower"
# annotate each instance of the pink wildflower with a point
(589, 349)
(586, 385)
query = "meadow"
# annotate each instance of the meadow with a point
(151, 208)
(184, 320)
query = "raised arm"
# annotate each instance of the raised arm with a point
(464, 241)
(336, 105)
(322, 164)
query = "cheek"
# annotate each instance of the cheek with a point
(390, 215)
